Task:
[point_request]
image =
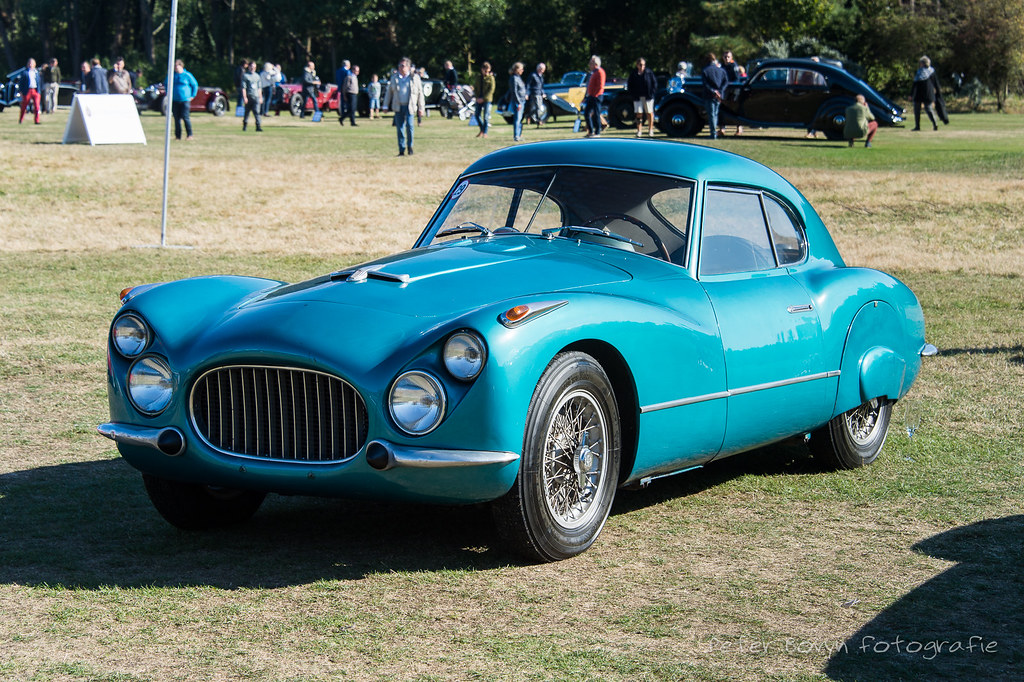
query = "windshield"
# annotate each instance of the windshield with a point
(649, 212)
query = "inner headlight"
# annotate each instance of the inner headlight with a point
(130, 335)
(150, 384)
(416, 403)
(464, 355)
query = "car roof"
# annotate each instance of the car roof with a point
(661, 157)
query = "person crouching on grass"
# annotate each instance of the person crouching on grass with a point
(860, 122)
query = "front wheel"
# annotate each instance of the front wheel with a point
(621, 114)
(570, 464)
(854, 438)
(296, 104)
(192, 506)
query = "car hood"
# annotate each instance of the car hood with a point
(449, 280)
(354, 320)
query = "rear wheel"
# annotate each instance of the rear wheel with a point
(620, 113)
(831, 120)
(680, 120)
(218, 106)
(570, 464)
(195, 507)
(854, 438)
(296, 104)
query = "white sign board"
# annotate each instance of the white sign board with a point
(104, 119)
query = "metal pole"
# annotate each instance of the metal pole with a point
(169, 101)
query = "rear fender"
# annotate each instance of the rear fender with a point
(874, 364)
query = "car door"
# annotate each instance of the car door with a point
(807, 91)
(764, 96)
(777, 383)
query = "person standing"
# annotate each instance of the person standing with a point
(642, 86)
(30, 84)
(373, 93)
(535, 91)
(340, 76)
(924, 92)
(351, 95)
(51, 78)
(268, 79)
(252, 96)
(451, 82)
(405, 97)
(595, 91)
(310, 86)
(183, 89)
(484, 97)
(85, 78)
(118, 79)
(714, 80)
(517, 99)
(733, 72)
(99, 79)
(860, 122)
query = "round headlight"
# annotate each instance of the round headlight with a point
(416, 403)
(150, 384)
(464, 355)
(130, 335)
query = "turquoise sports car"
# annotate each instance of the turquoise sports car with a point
(576, 317)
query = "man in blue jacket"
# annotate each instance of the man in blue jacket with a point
(30, 87)
(714, 79)
(184, 89)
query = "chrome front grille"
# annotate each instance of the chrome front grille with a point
(278, 413)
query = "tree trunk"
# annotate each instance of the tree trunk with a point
(146, 30)
(74, 36)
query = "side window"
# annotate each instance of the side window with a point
(790, 245)
(772, 77)
(807, 78)
(734, 237)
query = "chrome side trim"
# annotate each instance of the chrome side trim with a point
(738, 391)
(140, 435)
(928, 350)
(384, 455)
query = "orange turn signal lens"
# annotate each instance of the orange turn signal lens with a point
(124, 293)
(517, 313)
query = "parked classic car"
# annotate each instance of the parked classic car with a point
(209, 99)
(10, 91)
(577, 316)
(565, 98)
(790, 93)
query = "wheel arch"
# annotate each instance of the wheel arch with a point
(874, 362)
(624, 384)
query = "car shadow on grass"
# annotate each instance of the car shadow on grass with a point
(86, 525)
(90, 524)
(965, 623)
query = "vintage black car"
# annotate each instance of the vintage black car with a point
(788, 93)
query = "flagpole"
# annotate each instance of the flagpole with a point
(169, 102)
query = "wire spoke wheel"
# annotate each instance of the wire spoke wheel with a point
(569, 468)
(574, 460)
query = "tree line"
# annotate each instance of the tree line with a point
(979, 42)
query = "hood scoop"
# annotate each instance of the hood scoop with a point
(361, 274)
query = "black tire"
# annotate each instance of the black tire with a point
(565, 488)
(831, 120)
(190, 506)
(620, 113)
(218, 106)
(680, 119)
(296, 103)
(854, 438)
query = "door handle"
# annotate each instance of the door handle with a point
(804, 308)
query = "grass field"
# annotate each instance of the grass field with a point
(761, 566)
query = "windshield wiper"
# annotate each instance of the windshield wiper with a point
(465, 228)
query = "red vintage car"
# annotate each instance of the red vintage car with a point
(213, 100)
(290, 98)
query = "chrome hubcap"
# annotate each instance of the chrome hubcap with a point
(574, 459)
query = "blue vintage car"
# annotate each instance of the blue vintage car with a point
(577, 316)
